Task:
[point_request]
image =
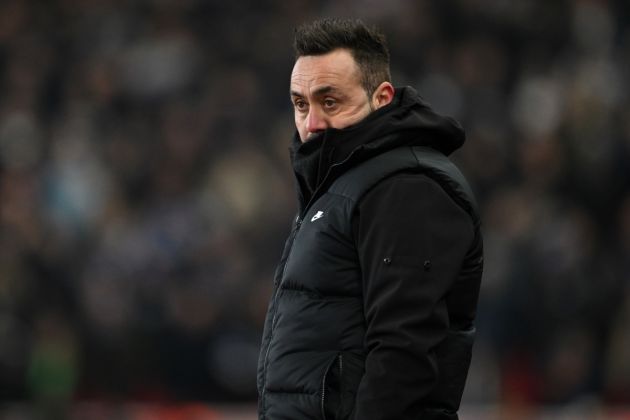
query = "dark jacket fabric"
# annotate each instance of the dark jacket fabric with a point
(374, 300)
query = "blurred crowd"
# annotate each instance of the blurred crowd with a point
(146, 193)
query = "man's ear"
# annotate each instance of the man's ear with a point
(383, 95)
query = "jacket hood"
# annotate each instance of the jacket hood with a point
(407, 121)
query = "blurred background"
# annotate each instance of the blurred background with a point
(145, 196)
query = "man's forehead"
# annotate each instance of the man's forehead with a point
(333, 70)
(319, 83)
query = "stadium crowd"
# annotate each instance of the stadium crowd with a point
(145, 191)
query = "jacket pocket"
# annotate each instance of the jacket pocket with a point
(331, 388)
(339, 385)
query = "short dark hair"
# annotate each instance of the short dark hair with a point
(366, 44)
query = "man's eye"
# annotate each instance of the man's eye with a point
(300, 105)
(330, 103)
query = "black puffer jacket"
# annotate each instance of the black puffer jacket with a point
(376, 291)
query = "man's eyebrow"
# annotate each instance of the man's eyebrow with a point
(317, 92)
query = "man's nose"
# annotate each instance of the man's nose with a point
(315, 121)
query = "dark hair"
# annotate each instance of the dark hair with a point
(366, 44)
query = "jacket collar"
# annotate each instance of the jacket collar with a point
(406, 121)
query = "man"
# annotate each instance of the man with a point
(375, 295)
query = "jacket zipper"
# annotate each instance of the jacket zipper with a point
(339, 360)
(298, 224)
(318, 189)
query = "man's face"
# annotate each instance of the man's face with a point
(326, 92)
